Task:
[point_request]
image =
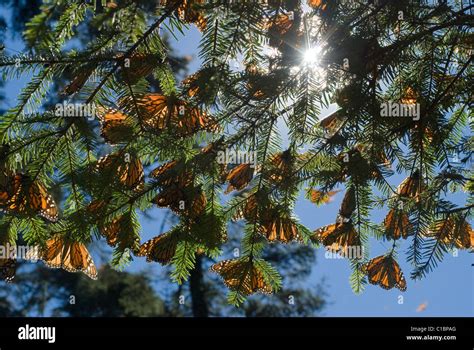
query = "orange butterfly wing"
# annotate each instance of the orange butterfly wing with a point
(160, 249)
(70, 256)
(385, 272)
(242, 276)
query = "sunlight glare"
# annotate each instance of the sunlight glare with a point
(312, 56)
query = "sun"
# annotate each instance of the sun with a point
(312, 56)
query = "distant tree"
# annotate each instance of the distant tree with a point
(39, 290)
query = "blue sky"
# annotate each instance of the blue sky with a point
(447, 291)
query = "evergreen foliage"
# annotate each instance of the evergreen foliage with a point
(410, 52)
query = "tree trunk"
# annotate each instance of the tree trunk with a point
(196, 286)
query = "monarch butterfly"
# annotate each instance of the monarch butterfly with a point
(190, 14)
(279, 25)
(409, 97)
(338, 237)
(332, 123)
(116, 127)
(322, 197)
(116, 233)
(192, 84)
(160, 112)
(81, 77)
(96, 207)
(7, 269)
(279, 228)
(412, 186)
(239, 177)
(241, 275)
(187, 11)
(173, 172)
(285, 34)
(68, 255)
(455, 231)
(29, 196)
(356, 163)
(170, 196)
(281, 166)
(471, 235)
(164, 170)
(6, 186)
(258, 84)
(249, 211)
(130, 173)
(317, 4)
(201, 85)
(397, 224)
(160, 249)
(348, 205)
(138, 65)
(385, 271)
(190, 202)
(208, 155)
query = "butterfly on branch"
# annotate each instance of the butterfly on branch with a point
(453, 231)
(239, 177)
(160, 249)
(202, 86)
(209, 155)
(71, 256)
(250, 209)
(319, 197)
(159, 112)
(138, 65)
(21, 195)
(188, 11)
(385, 272)
(81, 76)
(282, 167)
(358, 165)
(276, 226)
(317, 4)
(7, 189)
(173, 172)
(116, 127)
(348, 205)
(332, 123)
(273, 221)
(119, 233)
(127, 170)
(410, 97)
(397, 224)
(189, 201)
(242, 276)
(412, 186)
(96, 208)
(283, 30)
(339, 238)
